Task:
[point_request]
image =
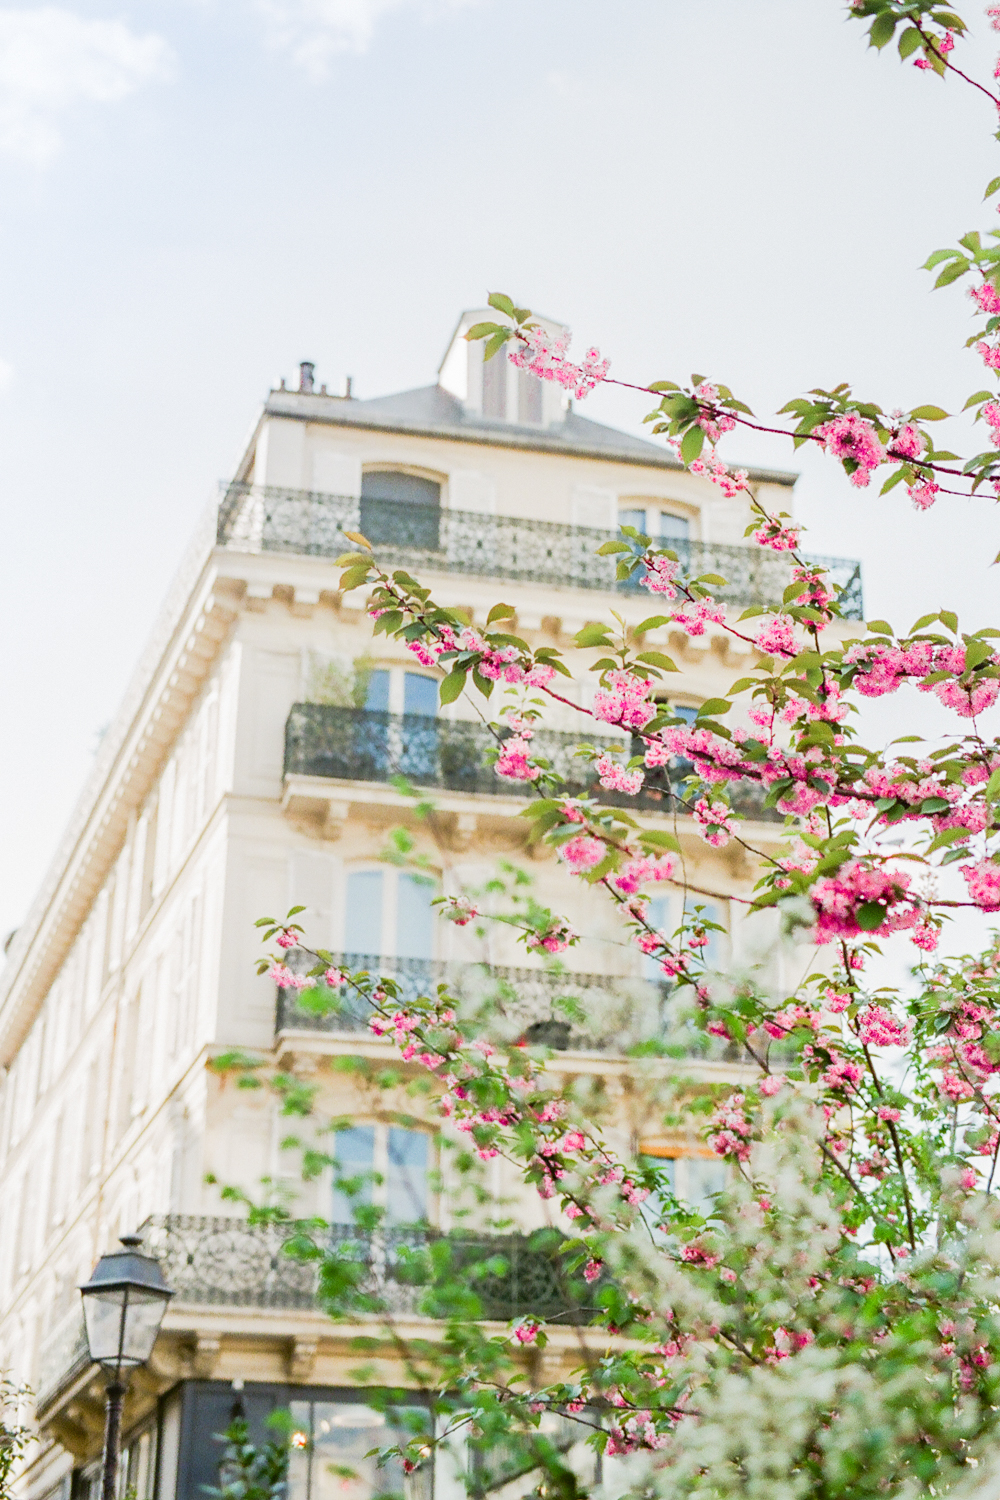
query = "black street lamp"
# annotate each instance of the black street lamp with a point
(123, 1306)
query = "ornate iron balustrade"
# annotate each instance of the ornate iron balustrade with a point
(569, 1012)
(63, 1354)
(598, 1012)
(226, 1262)
(359, 744)
(306, 522)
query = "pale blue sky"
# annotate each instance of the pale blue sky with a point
(197, 194)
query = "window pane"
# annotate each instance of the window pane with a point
(406, 1180)
(674, 526)
(636, 518)
(420, 694)
(354, 1153)
(388, 484)
(705, 1178)
(495, 386)
(363, 914)
(715, 950)
(342, 1433)
(415, 918)
(298, 1457)
(529, 397)
(377, 695)
(658, 916)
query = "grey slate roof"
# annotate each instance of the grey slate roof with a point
(431, 411)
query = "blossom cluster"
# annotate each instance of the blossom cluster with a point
(545, 355)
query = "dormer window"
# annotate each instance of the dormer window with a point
(495, 386)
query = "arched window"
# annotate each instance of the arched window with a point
(401, 509)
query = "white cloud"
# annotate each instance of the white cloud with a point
(6, 376)
(314, 31)
(52, 61)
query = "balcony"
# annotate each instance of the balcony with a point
(307, 523)
(565, 1011)
(359, 744)
(226, 1262)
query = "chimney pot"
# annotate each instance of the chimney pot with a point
(348, 381)
(306, 371)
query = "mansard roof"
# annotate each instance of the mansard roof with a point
(431, 411)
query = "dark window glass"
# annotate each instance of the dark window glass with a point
(400, 509)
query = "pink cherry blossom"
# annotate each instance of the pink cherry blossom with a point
(983, 881)
(544, 354)
(853, 437)
(582, 852)
(617, 778)
(624, 700)
(514, 763)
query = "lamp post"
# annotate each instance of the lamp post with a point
(123, 1306)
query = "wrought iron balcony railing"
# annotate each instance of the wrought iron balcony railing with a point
(359, 744)
(226, 1262)
(566, 1011)
(306, 522)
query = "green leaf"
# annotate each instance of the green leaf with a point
(928, 414)
(495, 344)
(909, 42)
(712, 707)
(950, 620)
(353, 578)
(657, 659)
(993, 787)
(691, 444)
(953, 271)
(501, 302)
(882, 29)
(936, 259)
(980, 396)
(594, 634)
(664, 385)
(880, 627)
(976, 652)
(481, 331)
(607, 548)
(451, 687)
(652, 623)
(994, 187)
(655, 839)
(893, 480)
(869, 915)
(501, 612)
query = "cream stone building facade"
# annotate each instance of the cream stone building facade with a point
(250, 768)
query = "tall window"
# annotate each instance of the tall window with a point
(400, 509)
(662, 525)
(693, 1179)
(495, 386)
(329, 1442)
(529, 397)
(382, 1165)
(389, 913)
(398, 748)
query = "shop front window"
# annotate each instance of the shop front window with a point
(330, 1441)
